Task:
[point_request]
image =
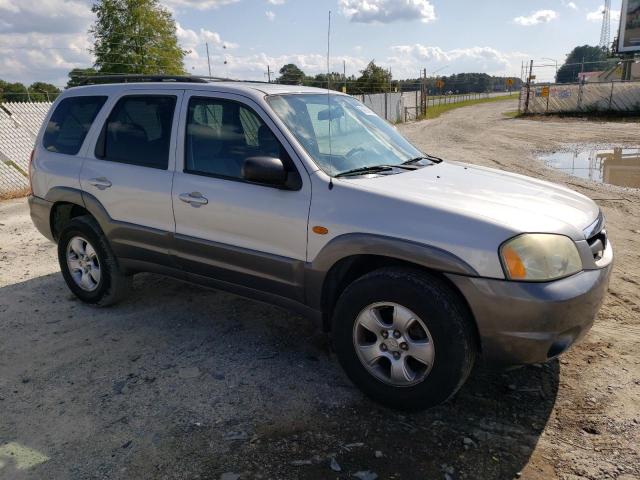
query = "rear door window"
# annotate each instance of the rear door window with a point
(70, 123)
(138, 131)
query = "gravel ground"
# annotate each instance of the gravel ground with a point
(183, 382)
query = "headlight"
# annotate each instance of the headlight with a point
(540, 257)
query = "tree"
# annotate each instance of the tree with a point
(43, 92)
(586, 55)
(77, 75)
(320, 81)
(13, 92)
(135, 36)
(290, 74)
(373, 79)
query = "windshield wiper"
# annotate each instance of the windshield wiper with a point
(424, 157)
(365, 170)
(376, 169)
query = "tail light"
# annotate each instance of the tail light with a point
(33, 152)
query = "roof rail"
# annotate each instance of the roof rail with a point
(138, 78)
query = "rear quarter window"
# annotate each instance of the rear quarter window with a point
(70, 123)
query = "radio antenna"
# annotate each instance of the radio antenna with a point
(329, 98)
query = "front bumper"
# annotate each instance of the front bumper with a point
(41, 215)
(522, 323)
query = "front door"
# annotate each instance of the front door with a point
(237, 232)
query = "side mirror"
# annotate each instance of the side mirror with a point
(265, 171)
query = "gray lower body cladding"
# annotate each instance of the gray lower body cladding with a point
(40, 210)
(518, 323)
(523, 323)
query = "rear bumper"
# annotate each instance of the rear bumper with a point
(522, 323)
(41, 215)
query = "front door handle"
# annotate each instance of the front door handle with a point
(100, 183)
(195, 199)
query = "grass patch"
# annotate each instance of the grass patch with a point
(437, 110)
(23, 192)
(511, 114)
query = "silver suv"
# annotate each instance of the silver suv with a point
(308, 200)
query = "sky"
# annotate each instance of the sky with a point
(42, 40)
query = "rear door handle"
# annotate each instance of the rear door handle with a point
(100, 183)
(195, 199)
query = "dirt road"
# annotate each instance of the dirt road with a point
(183, 382)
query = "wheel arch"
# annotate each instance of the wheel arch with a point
(68, 203)
(347, 258)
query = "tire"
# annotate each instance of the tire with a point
(440, 328)
(104, 284)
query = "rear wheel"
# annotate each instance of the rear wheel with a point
(404, 337)
(88, 265)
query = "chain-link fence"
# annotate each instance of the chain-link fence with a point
(399, 107)
(623, 97)
(19, 125)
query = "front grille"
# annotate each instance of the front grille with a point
(597, 244)
(597, 237)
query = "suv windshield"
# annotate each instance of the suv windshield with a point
(340, 133)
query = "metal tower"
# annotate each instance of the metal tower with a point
(605, 33)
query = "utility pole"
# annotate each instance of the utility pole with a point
(423, 93)
(344, 75)
(208, 59)
(268, 74)
(526, 103)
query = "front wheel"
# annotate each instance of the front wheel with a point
(404, 337)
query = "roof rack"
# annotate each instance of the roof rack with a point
(140, 78)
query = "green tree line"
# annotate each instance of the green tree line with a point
(375, 79)
(36, 92)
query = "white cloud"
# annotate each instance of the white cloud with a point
(387, 11)
(541, 16)
(270, 15)
(472, 59)
(254, 66)
(43, 16)
(570, 5)
(198, 4)
(276, 2)
(192, 40)
(596, 15)
(44, 57)
(43, 39)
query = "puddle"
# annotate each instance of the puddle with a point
(616, 165)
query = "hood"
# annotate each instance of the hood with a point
(515, 202)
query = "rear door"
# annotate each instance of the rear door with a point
(130, 170)
(237, 232)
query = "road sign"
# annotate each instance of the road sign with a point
(510, 82)
(545, 92)
(439, 84)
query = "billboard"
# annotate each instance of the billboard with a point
(629, 37)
